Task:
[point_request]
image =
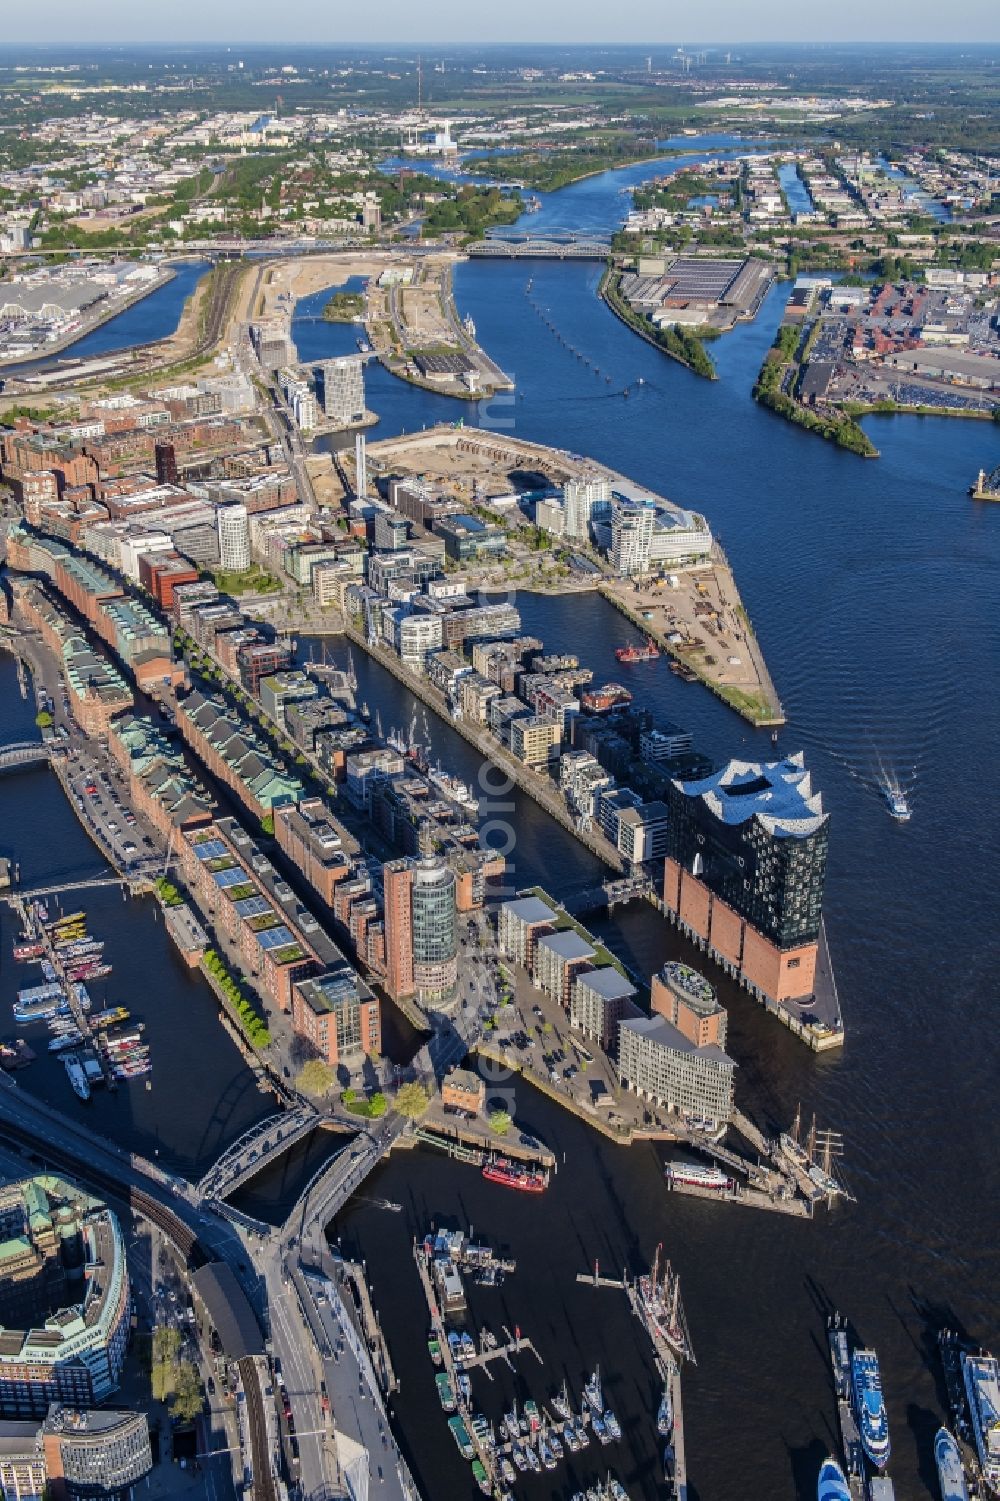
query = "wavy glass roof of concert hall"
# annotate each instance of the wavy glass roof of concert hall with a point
(779, 793)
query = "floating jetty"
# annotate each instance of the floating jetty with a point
(70, 959)
(852, 1453)
(655, 1301)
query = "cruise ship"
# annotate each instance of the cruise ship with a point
(951, 1475)
(981, 1374)
(869, 1407)
(832, 1485)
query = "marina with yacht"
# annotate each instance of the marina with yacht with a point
(103, 1047)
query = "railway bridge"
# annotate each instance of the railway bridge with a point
(558, 245)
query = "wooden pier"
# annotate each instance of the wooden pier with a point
(80, 1018)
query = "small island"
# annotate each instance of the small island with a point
(344, 307)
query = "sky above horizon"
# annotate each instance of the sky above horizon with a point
(645, 22)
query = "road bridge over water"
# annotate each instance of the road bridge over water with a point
(24, 753)
(258, 1146)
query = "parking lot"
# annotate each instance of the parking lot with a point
(534, 1032)
(100, 795)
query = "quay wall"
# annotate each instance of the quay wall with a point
(491, 750)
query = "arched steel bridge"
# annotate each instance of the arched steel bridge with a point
(256, 1147)
(556, 244)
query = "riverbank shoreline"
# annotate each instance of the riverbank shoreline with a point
(59, 346)
(610, 301)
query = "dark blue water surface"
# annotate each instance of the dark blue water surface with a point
(873, 587)
(153, 317)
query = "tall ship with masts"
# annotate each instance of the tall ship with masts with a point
(657, 1298)
(815, 1155)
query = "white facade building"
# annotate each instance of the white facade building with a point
(631, 536)
(580, 497)
(234, 538)
(344, 391)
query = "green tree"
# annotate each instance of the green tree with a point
(412, 1101)
(186, 1404)
(315, 1077)
(43, 719)
(500, 1122)
(377, 1105)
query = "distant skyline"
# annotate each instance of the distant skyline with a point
(454, 22)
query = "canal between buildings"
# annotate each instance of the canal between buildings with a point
(872, 586)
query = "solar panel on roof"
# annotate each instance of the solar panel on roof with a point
(211, 849)
(275, 938)
(233, 875)
(253, 906)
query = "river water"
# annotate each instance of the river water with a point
(152, 317)
(873, 589)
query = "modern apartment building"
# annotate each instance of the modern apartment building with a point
(234, 538)
(581, 499)
(631, 535)
(535, 740)
(660, 1064)
(343, 391)
(283, 688)
(559, 958)
(600, 999)
(519, 927)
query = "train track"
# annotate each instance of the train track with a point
(263, 1480)
(146, 1204)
